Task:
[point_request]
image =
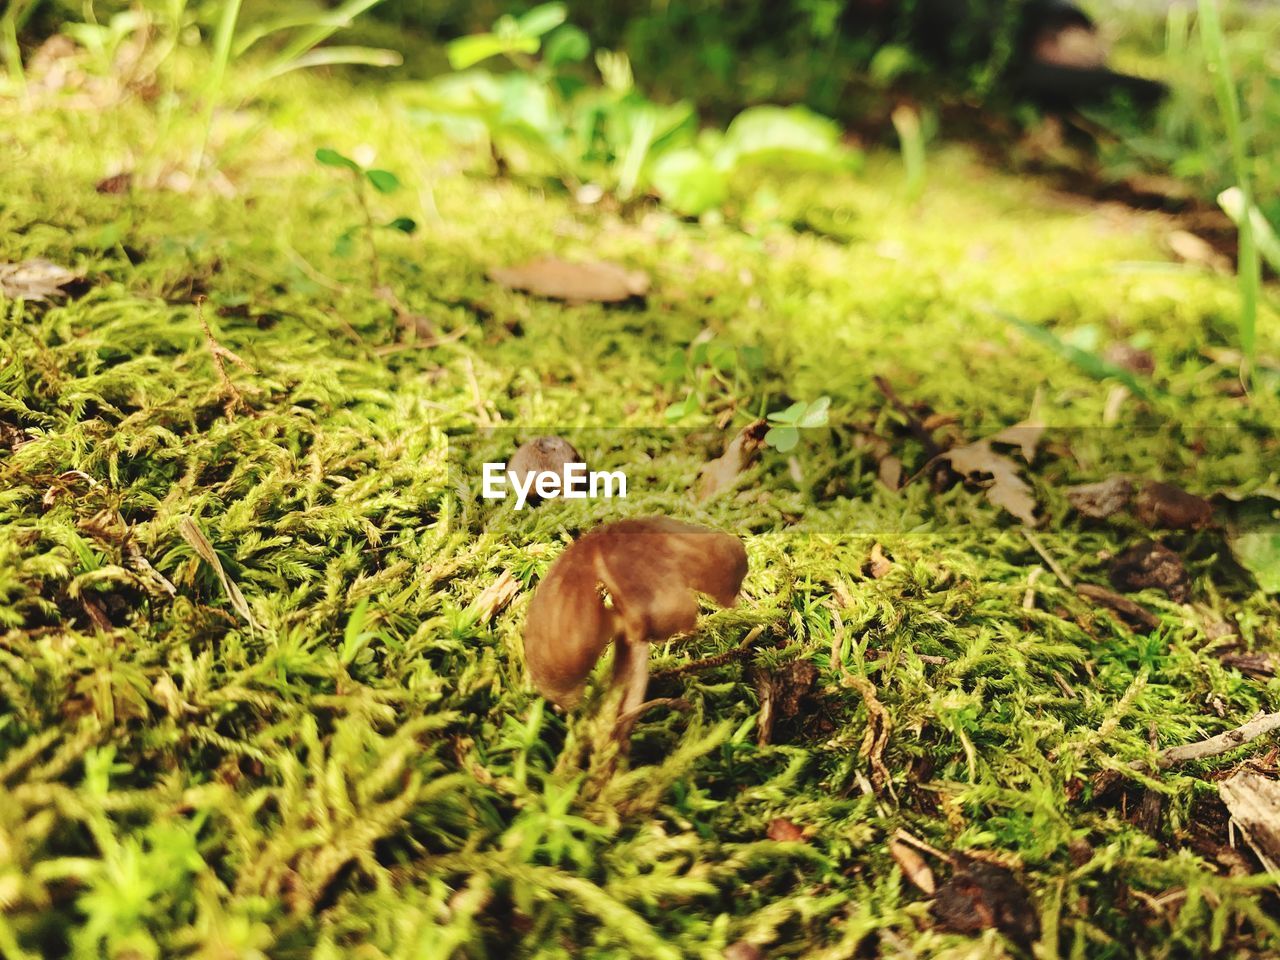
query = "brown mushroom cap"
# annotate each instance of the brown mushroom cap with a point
(542, 455)
(650, 569)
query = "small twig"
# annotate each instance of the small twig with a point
(1121, 605)
(1029, 598)
(719, 660)
(219, 353)
(631, 716)
(920, 845)
(1261, 724)
(477, 398)
(1047, 557)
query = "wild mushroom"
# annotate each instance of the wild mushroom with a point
(542, 455)
(630, 582)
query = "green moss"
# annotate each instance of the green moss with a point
(173, 777)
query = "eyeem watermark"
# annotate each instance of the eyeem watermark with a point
(573, 482)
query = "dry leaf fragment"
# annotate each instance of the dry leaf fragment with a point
(495, 596)
(913, 867)
(784, 831)
(1254, 803)
(721, 474)
(1006, 488)
(36, 279)
(116, 184)
(649, 569)
(890, 472)
(1101, 500)
(1166, 506)
(878, 565)
(592, 282)
(1151, 564)
(1190, 248)
(980, 895)
(204, 550)
(1026, 436)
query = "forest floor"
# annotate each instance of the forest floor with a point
(261, 679)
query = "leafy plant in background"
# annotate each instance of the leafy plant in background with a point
(706, 366)
(543, 118)
(784, 432)
(1249, 266)
(383, 181)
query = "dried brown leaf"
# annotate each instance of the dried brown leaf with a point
(204, 550)
(878, 565)
(1149, 565)
(784, 831)
(913, 867)
(1254, 803)
(35, 279)
(556, 279)
(979, 896)
(1006, 488)
(495, 596)
(1103, 499)
(722, 473)
(1165, 506)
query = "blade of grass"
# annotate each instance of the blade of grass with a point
(1090, 363)
(217, 74)
(320, 31)
(1248, 265)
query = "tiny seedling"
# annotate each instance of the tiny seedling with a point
(784, 432)
(384, 182)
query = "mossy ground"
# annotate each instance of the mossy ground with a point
(366, 772)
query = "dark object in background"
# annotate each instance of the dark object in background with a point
(1048, 51)
(981, 895)
(1150, 564)
(1065, 61)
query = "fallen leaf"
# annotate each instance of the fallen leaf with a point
(722, 473)
(1103, 499)
(1162, 505)
(1025, 435)
(1006, 488)
(36, 279)
(1254, 803)
(495, 596)
(556, 279)
(979, 896)
(1151, 565)
(204, 550)
(117, 184)
(1131, 358)
(913, 867)
(784, 831)
(890, 472)
(1189, 248)
(878, 565)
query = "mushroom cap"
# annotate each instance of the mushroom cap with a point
(542, 455)
(650, 569)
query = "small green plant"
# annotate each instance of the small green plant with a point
(784, 434)
(382, 181)
(543, 119)
(708, 368)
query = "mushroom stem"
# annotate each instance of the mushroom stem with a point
(631, 672)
